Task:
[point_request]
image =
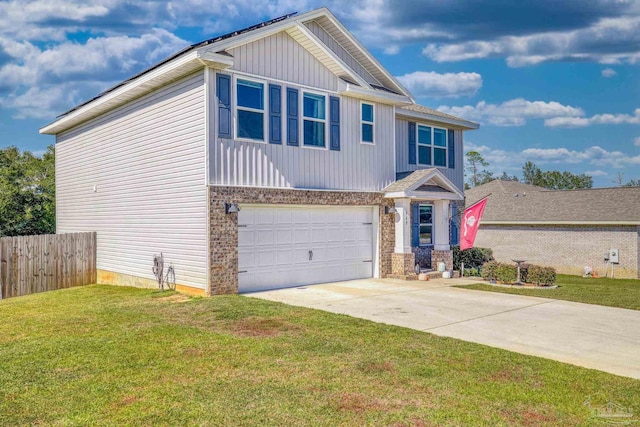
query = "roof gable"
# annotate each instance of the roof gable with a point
(424, 184)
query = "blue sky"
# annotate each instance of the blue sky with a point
(557, 83)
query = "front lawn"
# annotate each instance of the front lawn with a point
(622, 293)
(102, 355)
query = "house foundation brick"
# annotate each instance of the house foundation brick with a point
(403, 265)
(442, 256)
(223, 228)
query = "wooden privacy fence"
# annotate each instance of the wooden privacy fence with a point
(30, 264)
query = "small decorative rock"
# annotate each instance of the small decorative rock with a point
(423, 276)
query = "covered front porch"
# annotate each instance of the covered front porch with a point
(425, 208)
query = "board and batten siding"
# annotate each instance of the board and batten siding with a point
(146, 160)
(328, 40)
(455, 175)
(357, 167)
(280, 57)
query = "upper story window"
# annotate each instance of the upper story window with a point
(424, 145)
(250, 109)
(366, 117)
(432, 146)
(439, 147)
(314, 110)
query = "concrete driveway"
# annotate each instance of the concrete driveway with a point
(587, 335)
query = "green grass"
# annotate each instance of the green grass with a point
(622, 293)
(102, 355)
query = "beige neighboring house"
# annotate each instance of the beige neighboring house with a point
(564, 229)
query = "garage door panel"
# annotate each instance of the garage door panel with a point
(274, 246)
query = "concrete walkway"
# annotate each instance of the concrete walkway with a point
(603, 338)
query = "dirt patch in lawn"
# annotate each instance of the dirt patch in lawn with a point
(261, 327)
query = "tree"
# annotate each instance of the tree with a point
(475, 162)
(531, 174)
(505, 177)
(27, 192)
(633, 183)
(554, 180)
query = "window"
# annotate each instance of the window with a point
(432, 146)
(250, 109)
(426, 224)
(314, 109)
(440, 147)
(366, 116)
(424, 145)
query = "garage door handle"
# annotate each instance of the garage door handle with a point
(310, 255)
(369, 260)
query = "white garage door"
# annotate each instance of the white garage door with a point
(288, 246)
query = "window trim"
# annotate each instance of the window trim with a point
(264, 111)
(433, 231)
(365, 122)
(432, 145)
(324, 121)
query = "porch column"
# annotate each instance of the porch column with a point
(403, 260)
(441, 225)
(403, 226)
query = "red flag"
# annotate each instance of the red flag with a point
(470, 223)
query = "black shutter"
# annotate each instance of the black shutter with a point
(292, 117)
(275, 114)
(452, 149)
(223, 89)
(334, 123)
(412, 143)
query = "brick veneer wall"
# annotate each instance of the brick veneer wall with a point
(567, 249)
(442, 256)
(223, 228)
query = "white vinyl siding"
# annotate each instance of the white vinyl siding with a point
(280, 57)
(146, 160)
(341, 52)
(355, 167)
(455, 175)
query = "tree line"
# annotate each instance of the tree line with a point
(27, 192)
(531, 174)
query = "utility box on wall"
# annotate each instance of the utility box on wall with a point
(613, 256)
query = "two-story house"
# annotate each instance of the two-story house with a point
(280, 155)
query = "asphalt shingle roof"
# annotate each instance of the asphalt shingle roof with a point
(515, 201)
(426, 110)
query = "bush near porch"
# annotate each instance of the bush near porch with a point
(473, 259)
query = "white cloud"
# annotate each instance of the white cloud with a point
(609, 72)
(596, 173)
(602, 42)
(636, 141)
(598, 119)
(514, 112)
(44, 82)
(559, 158)
(448, 85)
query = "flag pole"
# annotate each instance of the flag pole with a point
(478, 201)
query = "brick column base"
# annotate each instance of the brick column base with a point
(442, 256)
(402, 266)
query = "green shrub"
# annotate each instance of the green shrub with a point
(524, 272)
(489, 270)
(472, 258)
(541, 275)
(506, 273)
(471, 272)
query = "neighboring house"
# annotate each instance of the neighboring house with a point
(293, 122)
(564, 229)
